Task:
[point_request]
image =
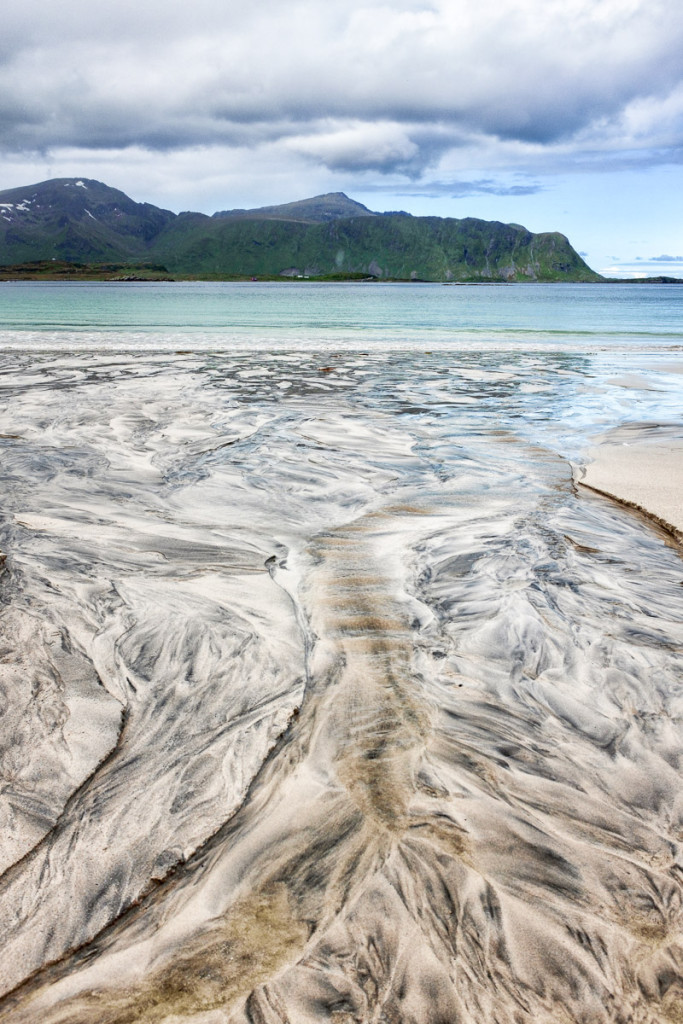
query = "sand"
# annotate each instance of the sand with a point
(642, 466)
(338, 706)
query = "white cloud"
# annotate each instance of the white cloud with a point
(248, 104)
(380, 146)
(524, 70)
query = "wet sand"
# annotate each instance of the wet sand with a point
(328, 698)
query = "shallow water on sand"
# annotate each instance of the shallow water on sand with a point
(328, 696)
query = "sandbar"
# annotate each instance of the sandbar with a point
(641, 465)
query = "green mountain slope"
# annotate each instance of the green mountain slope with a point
(75, 219)
(383, 246)
(85, 221)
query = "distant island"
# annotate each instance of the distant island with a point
(76, 227)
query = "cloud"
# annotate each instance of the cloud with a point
(457, 189)
(386, 88)
(640, 266)
(382, 146)
(649, 259)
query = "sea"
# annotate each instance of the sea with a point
(324, 681)
(270, 316)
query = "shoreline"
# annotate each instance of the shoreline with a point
(141, 277)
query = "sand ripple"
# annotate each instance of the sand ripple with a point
(330, 704)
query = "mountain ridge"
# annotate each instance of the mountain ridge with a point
(81, 220)
(316, 210)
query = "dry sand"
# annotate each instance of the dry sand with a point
(642, 466)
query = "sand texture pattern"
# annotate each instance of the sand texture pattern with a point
(329, 697)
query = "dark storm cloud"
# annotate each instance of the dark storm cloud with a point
(355, 86)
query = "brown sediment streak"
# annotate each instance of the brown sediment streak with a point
(376, 723)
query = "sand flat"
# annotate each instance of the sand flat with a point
(400, 710)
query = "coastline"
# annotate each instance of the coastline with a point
(639, 465)
(42, 272)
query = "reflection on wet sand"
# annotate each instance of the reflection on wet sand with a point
(354, 712)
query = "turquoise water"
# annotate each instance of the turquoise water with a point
(306, 315)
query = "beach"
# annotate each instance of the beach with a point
(330, 696)
(330, 692)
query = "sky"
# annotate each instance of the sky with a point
(561, 115)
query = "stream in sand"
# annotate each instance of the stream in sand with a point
(328, 696)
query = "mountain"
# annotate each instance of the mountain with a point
(383, 246)
(318, 210)
(79, 220)
(75, 219)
